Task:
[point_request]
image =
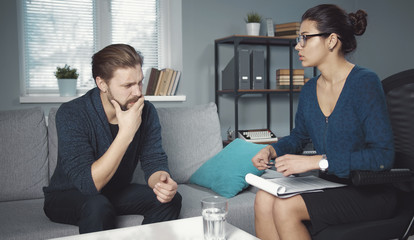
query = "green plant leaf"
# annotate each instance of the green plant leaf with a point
(66, 72)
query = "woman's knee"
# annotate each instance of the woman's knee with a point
(292, 208)
(263, 202)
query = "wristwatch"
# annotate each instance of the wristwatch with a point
(323, 163)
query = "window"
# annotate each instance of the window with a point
(57, 32)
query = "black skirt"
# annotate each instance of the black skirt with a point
(348, 205)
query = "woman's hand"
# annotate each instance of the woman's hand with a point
(293, 164)
(262, 158)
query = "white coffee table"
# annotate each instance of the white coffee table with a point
(182, 229)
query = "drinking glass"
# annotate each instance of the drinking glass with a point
(214, 211)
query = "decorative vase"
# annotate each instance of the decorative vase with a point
(253, 29)
(67, 87)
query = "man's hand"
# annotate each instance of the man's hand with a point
(262, 158)
(166, 188)
(130, 120)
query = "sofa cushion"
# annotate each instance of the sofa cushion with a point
(224, 173)
(23, 159)
(190, 136)
(25, 219)
(53, 140)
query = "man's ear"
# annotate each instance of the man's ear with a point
(101, 84)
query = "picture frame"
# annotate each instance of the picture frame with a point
(270, 27)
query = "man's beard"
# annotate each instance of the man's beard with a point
(124, 107)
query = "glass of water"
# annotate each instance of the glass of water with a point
(214, 211)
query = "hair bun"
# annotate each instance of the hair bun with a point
(359, 22)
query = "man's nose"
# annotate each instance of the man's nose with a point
(137, 91)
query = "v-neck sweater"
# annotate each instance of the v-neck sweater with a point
(357, 135)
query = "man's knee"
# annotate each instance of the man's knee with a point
(177, 200)
(175, 205)
(97, 214)
(164, 211)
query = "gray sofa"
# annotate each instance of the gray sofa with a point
(28, 148)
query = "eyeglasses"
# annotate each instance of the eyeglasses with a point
(301, 39)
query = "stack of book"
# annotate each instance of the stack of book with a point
(283, 78)
(163, 82)
(287, 30)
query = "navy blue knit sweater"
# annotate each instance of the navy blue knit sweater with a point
(84, 135)
(356, 136)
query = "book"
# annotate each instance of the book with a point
(287, 81)
(175, 85)
(287, 72)
(287, 36)
(288, 25)
(160, 78)
(287, 33)
(287, 77)
(171, 83)
(285, 29)
(152, 82)
(165, 82)
(285, 187)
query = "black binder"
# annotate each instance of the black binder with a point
(257, 69)
(244, 72)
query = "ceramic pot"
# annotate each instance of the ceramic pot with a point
(253, 29)
(67, 87)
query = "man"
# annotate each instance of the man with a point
(101, 137)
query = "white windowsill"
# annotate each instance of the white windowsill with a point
(59, 99)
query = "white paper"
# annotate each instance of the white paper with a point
(285, 187)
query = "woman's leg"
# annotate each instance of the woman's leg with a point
(263, 216)
(288, 215)
(277, 218)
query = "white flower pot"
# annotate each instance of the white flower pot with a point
(67, 87)
(253, 29)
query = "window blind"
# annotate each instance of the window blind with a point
(58, 32)
(138, 23)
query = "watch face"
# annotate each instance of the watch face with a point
(323, 164)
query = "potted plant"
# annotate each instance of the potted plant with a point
(67, 78)
(253, 21)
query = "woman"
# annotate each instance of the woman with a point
(343, 111)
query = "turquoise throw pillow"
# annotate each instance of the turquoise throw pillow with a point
(224, 173)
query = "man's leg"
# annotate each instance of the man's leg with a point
(90, 213)
(140, 199)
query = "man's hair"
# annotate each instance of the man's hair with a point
(115, 56)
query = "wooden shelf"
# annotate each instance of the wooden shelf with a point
(255, 91)
(256, 40)
(59, 99)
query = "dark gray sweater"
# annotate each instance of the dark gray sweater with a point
(356, 136)
(84, 135)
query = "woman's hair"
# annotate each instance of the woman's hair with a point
(115, 56)
(330, 18)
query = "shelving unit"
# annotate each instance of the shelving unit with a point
(59, 99)
(268, 42)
